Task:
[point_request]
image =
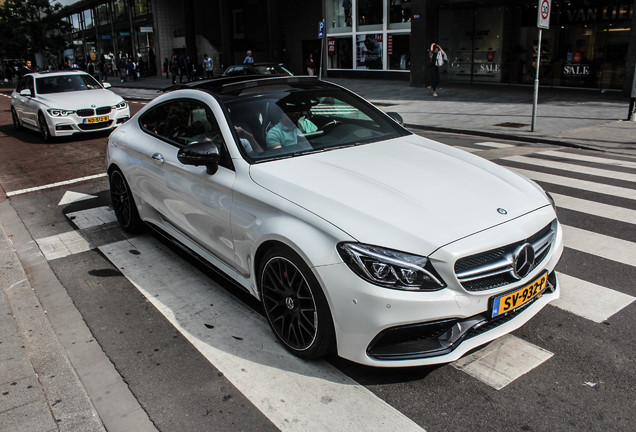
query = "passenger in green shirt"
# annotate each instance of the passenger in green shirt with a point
(285, 132)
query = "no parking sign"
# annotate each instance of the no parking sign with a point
(543, 17)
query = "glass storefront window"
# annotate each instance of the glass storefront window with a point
(398, 50)
(339, 15)
(340, 52)
(103, 16)
(75, 22)
(455, 38)
(370, 15)
(88, 19)
(120, 9)
(369, 51)
(399, 13)
(141, 7)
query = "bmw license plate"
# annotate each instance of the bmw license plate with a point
(512, 300)
(96, 120)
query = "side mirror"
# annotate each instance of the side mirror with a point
(106, 85)
(25, 92)
(200, 153)
(395, 116)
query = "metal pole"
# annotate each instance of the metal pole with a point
(536, 85)
(322, 48)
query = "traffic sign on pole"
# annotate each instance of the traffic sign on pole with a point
(543, 17)
(321, 29)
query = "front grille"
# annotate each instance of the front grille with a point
(94, 126)
(85, 112)
(103, 110)
(494, 268)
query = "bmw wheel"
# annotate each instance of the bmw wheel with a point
(295, 305)
(124, 203)
(16, 121)
(44, 128)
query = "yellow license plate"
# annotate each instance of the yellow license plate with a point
(96, 119)
(511, 301)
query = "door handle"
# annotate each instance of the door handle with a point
(158, 157)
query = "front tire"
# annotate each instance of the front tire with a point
(295, 305)
(123, 203)
(16, 121)
(44, 128)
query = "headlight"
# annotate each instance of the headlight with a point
(390, 268)
(60, 112)
(120, 105)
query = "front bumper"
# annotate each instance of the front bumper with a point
(383, 327)
(73, 124)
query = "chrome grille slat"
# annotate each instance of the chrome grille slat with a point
(494, 268)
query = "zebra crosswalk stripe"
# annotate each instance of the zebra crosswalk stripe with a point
(620, 214)
(597, 172)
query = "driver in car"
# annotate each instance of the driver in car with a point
(292, 122)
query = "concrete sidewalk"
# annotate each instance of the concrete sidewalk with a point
(572, 117)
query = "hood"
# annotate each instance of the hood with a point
(80, 99)
(409, 193)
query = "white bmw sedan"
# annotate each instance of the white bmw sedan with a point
(65, 103)
(358, 236)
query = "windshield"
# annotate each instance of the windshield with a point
(293, 121)
(66, 83)
(272, 69)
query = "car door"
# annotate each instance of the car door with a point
(193, 203)
(26, 106)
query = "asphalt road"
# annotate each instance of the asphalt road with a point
(197, 354)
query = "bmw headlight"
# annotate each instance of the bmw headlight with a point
(120, 105)
(390, 268)
(60, 112)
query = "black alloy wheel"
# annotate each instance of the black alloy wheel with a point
(124, 203)
(295, 305)
(16, 121)
(44, 128)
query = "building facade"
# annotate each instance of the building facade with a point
(487, 41)
(494, 41)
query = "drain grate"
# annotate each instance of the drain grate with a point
(512, 125)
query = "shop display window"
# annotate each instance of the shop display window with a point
(340, 52)
(339, 15)
(398, 50)
(369, 51)
(399, 13)
(370, 14)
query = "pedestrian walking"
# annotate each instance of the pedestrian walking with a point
(248, 59)
(183, 68)
(174, 68)
(436, 59)
(310, 64)
(208, 65)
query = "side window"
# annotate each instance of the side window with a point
(29, 85)
(183, 122)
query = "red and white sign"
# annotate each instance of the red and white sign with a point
(331, 45)
(543, 17)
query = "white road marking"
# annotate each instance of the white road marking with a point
(616, 175)
(93, 217)
(494, 144)
(612, 248)
(579, 184)
(591, 301)
(294, 394)
(62, 245)
(71, 197)
(503, 361)
(595, 208)
(54, 185)
(468, 149)
(588, 158)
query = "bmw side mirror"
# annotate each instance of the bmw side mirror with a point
(106, 85)
(395, 116)
(200, 153)
(25, 92)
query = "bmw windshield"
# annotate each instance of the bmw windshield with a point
(66, 83)
(289, 121)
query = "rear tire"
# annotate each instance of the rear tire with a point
(295, 305)
(123, 203)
